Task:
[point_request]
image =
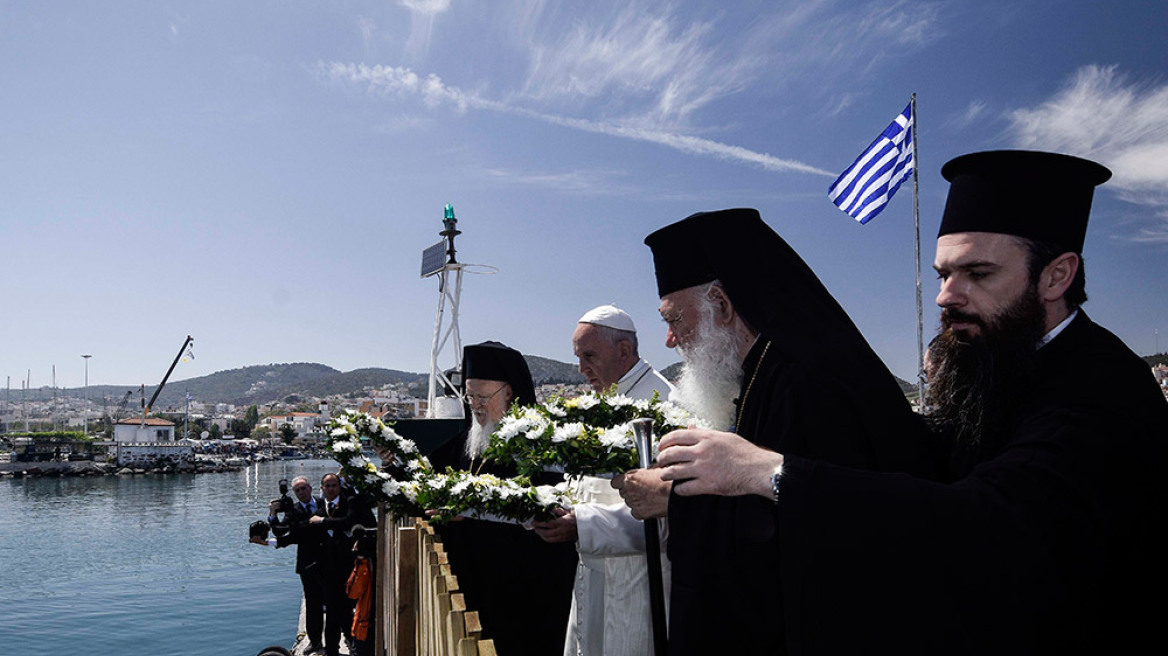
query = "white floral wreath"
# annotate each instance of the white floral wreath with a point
(419, 488)
(589, 435)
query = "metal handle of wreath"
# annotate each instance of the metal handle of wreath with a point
(643, 436)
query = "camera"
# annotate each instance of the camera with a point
(258, 530)
(284, 508)
(364, 540)
(285, 501)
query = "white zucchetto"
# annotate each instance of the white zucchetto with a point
(609, 316)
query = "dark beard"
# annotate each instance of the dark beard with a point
(977, 380)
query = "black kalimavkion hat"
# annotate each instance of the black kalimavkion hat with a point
(770, 286)
(1031, 194)
(497, 361)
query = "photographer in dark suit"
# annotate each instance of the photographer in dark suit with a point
(296, 528)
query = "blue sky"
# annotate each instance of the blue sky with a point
(265, 175)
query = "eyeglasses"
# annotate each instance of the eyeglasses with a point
(483, 399)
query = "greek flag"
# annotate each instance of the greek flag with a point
(869, 183)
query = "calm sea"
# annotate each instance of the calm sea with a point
(146, 565)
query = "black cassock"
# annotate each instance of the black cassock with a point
(731, 592)
(520, 585)
(1047, 542)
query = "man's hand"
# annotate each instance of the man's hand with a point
(560, 529)
(444, 515)
(713, 462)
(315, 519)
(255, 539)
(644, 492)
(273, 507)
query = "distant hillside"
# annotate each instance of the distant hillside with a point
(355, 381)
(275, 382)
(1159, 358)
(247, 385)
(545, 371)
(672, 372)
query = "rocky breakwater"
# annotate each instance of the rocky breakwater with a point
(85, 468)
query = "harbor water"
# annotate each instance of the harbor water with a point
(147, 564)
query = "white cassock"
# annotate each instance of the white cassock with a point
(610, 601)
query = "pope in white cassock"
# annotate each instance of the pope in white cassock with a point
(610, 604)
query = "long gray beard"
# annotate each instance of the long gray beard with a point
(477, 438)
(711, 373)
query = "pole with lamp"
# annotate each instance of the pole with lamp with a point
(87, 393)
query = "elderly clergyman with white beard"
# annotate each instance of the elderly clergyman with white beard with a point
(770, 355)
(520, 585)
(610, 604)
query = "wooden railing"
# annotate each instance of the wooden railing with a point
(420, 608)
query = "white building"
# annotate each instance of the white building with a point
(147, 443)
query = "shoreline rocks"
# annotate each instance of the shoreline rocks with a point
(86, 468)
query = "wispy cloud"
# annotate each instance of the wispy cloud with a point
(1100, 115)
(654, 65)
(426, 7)
(423, 13)
(394, 81)
(637, 63)
(820, 47)
(964, 119)
(607, 183)
(647, 71)
(592, 182)
(367, 27)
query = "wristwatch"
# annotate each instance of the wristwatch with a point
(775, 476)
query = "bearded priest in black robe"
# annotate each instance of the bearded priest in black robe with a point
(1045, 534)
(769, 354)
(520, 585)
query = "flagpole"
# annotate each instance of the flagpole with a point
(917, 250)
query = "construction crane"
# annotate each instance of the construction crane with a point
(146, 407)
(121, 408)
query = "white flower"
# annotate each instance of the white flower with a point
(565, 432)
(534, 428)
(548, 495)
(391, 488)
(506, 491)
(509, 427)
(676, 415)
(617, 437)
(587, 401)
(620, 400)
(344, 446)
